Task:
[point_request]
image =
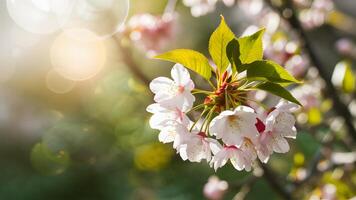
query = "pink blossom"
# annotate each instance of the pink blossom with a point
(215, 188)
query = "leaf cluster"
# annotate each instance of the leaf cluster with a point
(236, 55)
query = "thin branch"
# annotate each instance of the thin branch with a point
(248, 180)
(130, 63)
(273, 181)
(340, 108)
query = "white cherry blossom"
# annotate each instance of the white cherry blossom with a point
(226, 153)
(264, 146)
(195, 146)
(250, 153)
(233, 126)
(274, 129)
(162, 116)
(281, 121)
(173, 132)
(174, 93)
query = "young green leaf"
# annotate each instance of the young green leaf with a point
(268, 71)
(278, 90)
(251, 48)
(189, 58)
(348, 84)
(217, 45)
(233, 54)
(343, 76)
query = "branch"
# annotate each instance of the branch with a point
(340, 108)
(272, 179)
(130, 63)
(246, 181)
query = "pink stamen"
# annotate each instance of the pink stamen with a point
(261, 127)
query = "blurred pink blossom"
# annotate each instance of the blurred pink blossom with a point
(215, 188)
(150, 32)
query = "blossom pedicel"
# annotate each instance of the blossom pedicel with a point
(227, 129)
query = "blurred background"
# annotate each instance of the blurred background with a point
(73, 94)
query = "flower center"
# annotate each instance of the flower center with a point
(180, 89)
(261, 127)
(247, 142)
(202, 134)
(234, 122)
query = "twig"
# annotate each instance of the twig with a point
(130, 63)
(340, 108)
(272, 179)
(248, 180)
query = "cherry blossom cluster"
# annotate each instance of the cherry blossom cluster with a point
(222, 126)
(238, 134)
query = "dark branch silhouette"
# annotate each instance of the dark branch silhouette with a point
(340, 108)
(131, 64)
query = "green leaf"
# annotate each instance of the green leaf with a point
(190, 59)
(233, 54)
(217, 45)
(251, 48)
(267, 70)
(343, 76)
(278, 90)
(348, 84)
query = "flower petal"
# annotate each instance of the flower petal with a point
(244, 109)
(167, 135)
(160, 84)
(180, 75)
(237, 159)
(215, 146)
(155, 108)
(287, 106)
(280, 145)
(219, 160)
(182, 150)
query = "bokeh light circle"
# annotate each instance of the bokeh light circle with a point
(57, 83)
(78, 54)
(104, 17)
(39, 16)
